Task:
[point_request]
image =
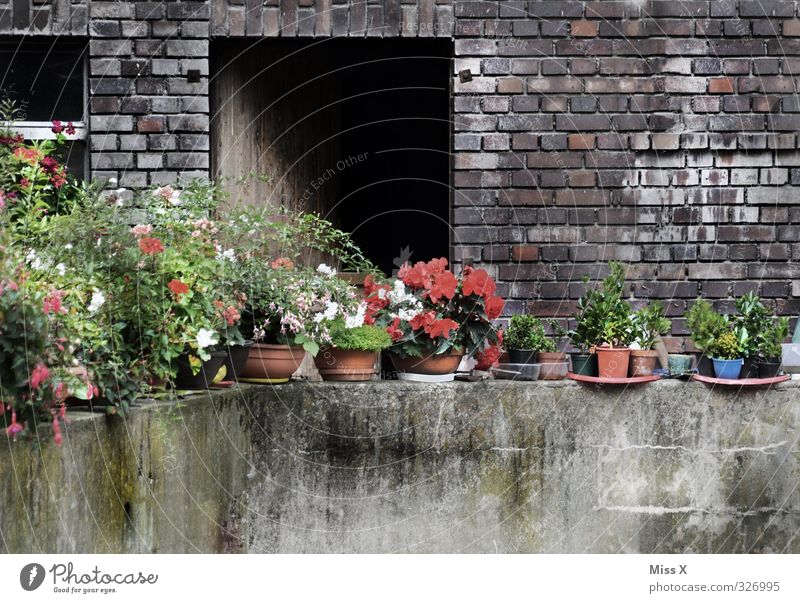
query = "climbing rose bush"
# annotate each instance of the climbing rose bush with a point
(428, 310)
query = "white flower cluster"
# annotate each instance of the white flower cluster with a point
(405, 304)
(97, 301)
(330, 312)
(169, 194)
(353, 321)
(228, 254)
(206, 338)
(327, 270)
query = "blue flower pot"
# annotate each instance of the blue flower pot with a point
(728, 369)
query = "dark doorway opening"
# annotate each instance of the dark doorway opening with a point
(358, 130)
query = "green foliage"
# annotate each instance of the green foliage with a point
(367, 338)
(770, 338)
(727, 346)
(754, 318)
(142, 279)
(705, 324)
(33, 179)
(603, 315)
(527, 333)
(649, 323)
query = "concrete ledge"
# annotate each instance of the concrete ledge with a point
(389, 466)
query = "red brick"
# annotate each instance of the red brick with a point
(524, 253)
(581, 141)
(584, 29)
(721, 85)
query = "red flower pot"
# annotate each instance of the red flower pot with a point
(612, 363)
(272, 362)
(334, 364)
(432, 364)
(642, 363)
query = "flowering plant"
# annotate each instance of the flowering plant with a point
(34, 184)
(297, 305)
(34, 362)
(427, 310)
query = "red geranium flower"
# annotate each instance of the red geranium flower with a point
(444, 285)
(423, 320)
(178, 287)
(493, 306)
(394, 330)
(150, 246)
(480, 283)
(70, 128)
(231, 316)
(58, 127)
(441, 328)
(420, 276)
(488, 358)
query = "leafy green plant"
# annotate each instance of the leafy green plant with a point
(705, 324)
(771, 338)
(755, 318)
(527, 332)
(603, 315)
(367, 338)
(648, 324)
(727, 346)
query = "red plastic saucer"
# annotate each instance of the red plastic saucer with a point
(742, 382)
(613, 380)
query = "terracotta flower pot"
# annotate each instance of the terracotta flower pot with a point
(433, 364)
(642, 363)
(612, 363)
(334, 364)
(552, 368)
(272, 362)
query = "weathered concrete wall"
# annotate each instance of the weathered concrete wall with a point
(391, 467)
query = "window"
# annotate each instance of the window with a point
(47, 78)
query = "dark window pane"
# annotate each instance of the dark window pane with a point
(47, 75)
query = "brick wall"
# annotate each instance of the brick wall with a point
(662, 134)
(354, 18)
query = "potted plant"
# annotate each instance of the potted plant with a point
(705, 324)
(353, 350)
(602, 311)
(726, 351)
(770, 347)
(290, 310)
(434, 318)
(525, 338)
(616, 328)
(553, 364)
(649, 323)
(754, 318)
(587, 333)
